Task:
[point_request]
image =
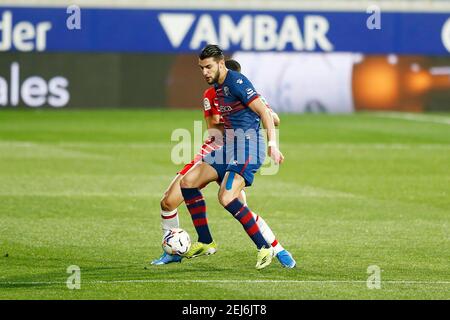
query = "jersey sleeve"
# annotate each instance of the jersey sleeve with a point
(208, 103)
(243, 89)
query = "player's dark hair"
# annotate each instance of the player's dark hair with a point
(233, 65)
(211, 51)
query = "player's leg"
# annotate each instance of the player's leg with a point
(229, 193)
(243, 197)
(169, 216)
(190, 185)
(169, 203)
(172, 199)
(283, 256)
(265, 229)
(169, 213)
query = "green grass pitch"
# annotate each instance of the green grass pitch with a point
(83, 188)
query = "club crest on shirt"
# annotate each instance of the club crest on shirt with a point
(226, 91)
(239, 81)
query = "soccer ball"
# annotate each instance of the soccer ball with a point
(176, 241)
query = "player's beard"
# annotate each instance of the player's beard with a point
(215, 79)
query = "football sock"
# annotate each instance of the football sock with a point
(197, 208)
(277, 247)
(242, 213)
(169, 220)
(268, 233)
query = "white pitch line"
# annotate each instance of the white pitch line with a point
(80, 194)
(225, 281)
(414, 117)
(29, 144)
(350, 146)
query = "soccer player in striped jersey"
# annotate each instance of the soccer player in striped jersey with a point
(235, 164)
(173, 198)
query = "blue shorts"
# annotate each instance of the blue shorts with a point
(242, 157)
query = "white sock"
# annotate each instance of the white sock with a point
(169, 220)
(277, 247)
(268, 234)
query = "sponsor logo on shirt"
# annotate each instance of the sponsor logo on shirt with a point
(206, 104)
(225, 108)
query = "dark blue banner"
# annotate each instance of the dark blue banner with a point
(175, 31)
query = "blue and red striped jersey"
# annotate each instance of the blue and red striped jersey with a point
(234, 95)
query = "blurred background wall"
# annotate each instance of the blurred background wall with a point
(303, 56)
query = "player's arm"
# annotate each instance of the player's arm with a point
(275, 117)
(213, 121)
(215, 128)
(212, 117)
(258, 106)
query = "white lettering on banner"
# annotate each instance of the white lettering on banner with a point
(41, 38)
(290, 32)
(3, 92)
(15, 84)
(59, 93)
(23, 36)
(34, 91)
(445, 35)
(176, 25)
(265, 32)
(316, 28)
(259, 32)
(235, 34)
(204, 32)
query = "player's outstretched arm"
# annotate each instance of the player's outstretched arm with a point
(260, 108)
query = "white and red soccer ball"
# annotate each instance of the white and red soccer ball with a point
(176, 241)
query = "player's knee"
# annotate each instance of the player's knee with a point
(187, 182)
(167, 204)
(226, 197)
